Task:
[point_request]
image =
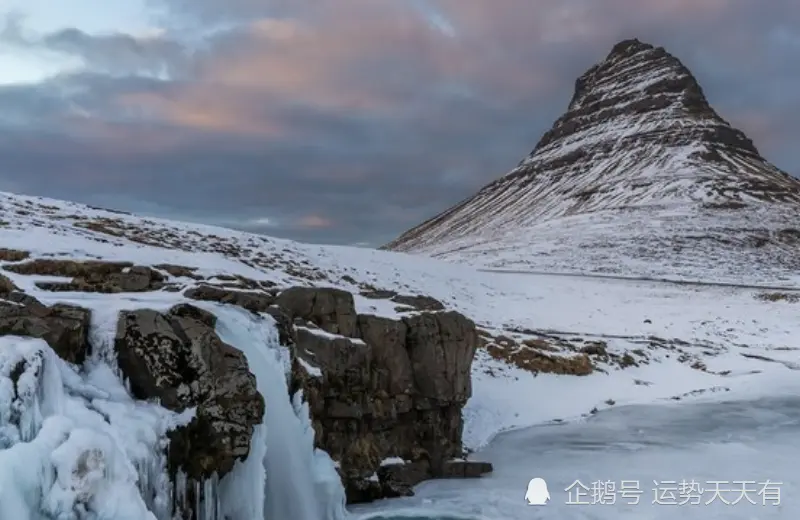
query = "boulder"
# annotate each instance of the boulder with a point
(378, 294)
(64, 327)
(67, 268)
(333, 310)
(178, 358)
(398, 480)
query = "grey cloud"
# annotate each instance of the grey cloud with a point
(52, 106)
(116, 54)
(28, 105)
(122, 53)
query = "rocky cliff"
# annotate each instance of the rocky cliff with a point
(640, 175)
(385, 394)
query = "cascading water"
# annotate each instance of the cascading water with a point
(300, 482)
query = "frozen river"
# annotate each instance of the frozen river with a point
(735, 460)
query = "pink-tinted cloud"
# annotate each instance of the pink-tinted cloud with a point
(382, 56)
(315, 222)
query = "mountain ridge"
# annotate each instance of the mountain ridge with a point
(638, 142)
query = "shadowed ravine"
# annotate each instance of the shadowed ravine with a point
(705, 442)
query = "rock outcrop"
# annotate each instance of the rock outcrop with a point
(332, 310)
(92, 275)
(418, 302)
(639, 176)
(64, 327)
(178, 358)
(383, 390)
(251, 300)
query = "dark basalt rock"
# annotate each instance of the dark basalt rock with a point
(379, 388)
(177, 358)
(64, 327)
(331, 309)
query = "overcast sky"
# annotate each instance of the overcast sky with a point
(342, 121)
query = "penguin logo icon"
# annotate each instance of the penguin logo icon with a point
(537, 493)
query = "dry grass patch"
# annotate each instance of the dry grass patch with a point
(778, 297)
(532, 360)
(13, 255)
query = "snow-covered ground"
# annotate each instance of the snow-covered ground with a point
(677, 241)
(744, 344)
(723, 326)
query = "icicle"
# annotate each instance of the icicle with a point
(210, 509)
(30, 420)
(179, 504)
(161, 490)
(197, 501)
(153, 485)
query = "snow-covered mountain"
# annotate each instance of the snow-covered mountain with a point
(639, 177)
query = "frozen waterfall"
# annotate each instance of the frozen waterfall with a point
(76, 446)
(301, 482)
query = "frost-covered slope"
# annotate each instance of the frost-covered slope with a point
(640, 177)
(649, 342)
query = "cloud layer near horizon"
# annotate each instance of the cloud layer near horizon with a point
(351, 120)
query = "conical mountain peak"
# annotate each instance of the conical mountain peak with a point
(630, 62)
(640, 173)
(640, 81)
